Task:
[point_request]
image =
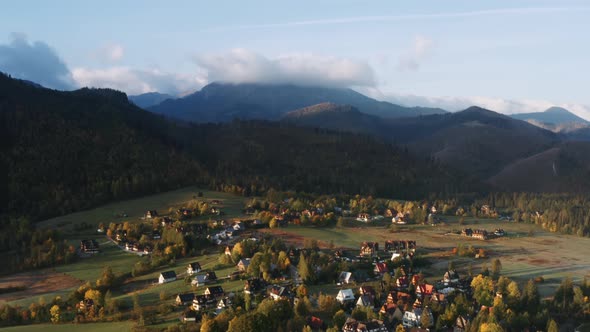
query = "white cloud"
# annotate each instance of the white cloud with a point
(137, 81)
(500, 105)
(241, 66)
(420, 50)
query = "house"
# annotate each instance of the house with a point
(450, 276)
(424, 290)
(254, 286)
(365, 301)
(369, 248)
(480, 234)
(461, 324)
(439, 298)
(150, 214)
(167, 276)
(243, 264)
(185, 299)
(345, 296)
(499, 232)
(193, 268)
(156, 235)
(364, 217)
(214, 291)
(202, 302)
(395, 256)
(392, 311)
(200, 280)
(316, 323)
(190, 316)
(211, 276)
(277, 292)
(352, 325)
(412, 317)
(344, 278)
(89, 246)
(228, 250)
(223, 304)
(380, 268)
(402, 282)
(367, 290)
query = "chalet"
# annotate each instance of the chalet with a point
(200, 280)
(85, 305)
(190, 316)
(400, 219)
(365, 301)
(451, 277)
(466, 232)
(391, 245)
(345, 296)
(344, 278)
(211, 276)
(193, 268)
(202, 302)
(368, 290)
(369, 248)
(480, 234)
(254, 286)
(223, 304)
(185, 299)
(461, 324)
(316, 323)
(89, 246)
(380, 268)
(167, 276)
(402, 282)
(352, 325)
(392, 311)
(499, 232)
(277, 292)
(243, 264)
(439, 298)
(395, 256)
(150, 214)
(214, 291)
(424, 290)
(416, 279)
(228, 250)
(412, 317)
(364, 217)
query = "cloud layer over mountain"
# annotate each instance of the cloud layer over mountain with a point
(244, 66)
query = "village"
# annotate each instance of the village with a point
(379, 286)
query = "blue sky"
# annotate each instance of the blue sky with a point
(510, 56)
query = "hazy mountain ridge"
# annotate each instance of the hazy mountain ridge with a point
(149, 99)
(221, 102)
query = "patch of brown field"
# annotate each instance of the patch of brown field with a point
(36, 283)
(294, 240)
(539, 261)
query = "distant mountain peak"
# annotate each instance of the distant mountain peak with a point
(551, 116)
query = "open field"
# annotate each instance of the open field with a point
(91, 327)
(136, 208)
(524, 254)
(36, 283)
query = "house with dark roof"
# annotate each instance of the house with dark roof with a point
(243, 264)
(254, 286)
(214, 291)
(193, 268)
(380, 268)
(167, 276)
(185, 299)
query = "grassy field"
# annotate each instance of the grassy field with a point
(92, 327)
(136, 208)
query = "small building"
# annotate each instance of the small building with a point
(451, 276)
(412, 318)
(345, 296)
(424, 290)
(214, 291)
(254, 286)
(199, 280)
(369, 248)
(150, 214)
(344, 278)
(365, 301)
(167, 276)
(185, 299)
(89, 246)
(202, 302)
(277, 292)
(211, 276)
(368, 290)
(193, 268)
(461, 324)
(243, 264)
(380, 268)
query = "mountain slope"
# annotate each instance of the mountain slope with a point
(476, 140)
(553, 115)
(149, 99)
(219, 102)
(337, 117)
(564, 168)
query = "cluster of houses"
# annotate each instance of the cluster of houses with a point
(228, 231)
(398, 248)
(482, 234)
(89, 247)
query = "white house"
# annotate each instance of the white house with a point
(167, 276)
(412, 318)
(365, 301)
(394, 256)
(345, 295)
(193, 268)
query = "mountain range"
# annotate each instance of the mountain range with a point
(149, 99)
(221, 102)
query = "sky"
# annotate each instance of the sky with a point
(508, 56)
